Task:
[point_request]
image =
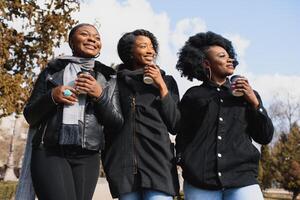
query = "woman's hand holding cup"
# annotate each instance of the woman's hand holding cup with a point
(241, 86)
(87, 84)
(147, 79)
(236, 91)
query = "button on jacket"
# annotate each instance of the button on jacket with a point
(41, 111)
(215, 140)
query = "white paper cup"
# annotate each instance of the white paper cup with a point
(147, 80)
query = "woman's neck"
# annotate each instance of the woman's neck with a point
(135, 67)
(218, 81)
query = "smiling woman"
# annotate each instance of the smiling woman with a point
(147, 170)
(69, 131)
(214, 145)
(85, 41)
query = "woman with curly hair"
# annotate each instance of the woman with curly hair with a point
(139, 160)
(214, 144)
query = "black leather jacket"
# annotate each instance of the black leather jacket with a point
(41, 111)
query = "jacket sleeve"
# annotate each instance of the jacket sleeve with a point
(186, 125)
(169, 106)
(260, 126)
(40, 103)
(108, 108)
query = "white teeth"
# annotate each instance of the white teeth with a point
(89, 46)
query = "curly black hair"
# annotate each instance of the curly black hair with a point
(126, 42)
(193, 53)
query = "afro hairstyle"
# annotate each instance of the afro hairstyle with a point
(193, 54)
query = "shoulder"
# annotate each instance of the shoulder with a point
(194, 90)
(56, 64)
(169, 80)
(53, 66)
(104, 69)
(193, 93)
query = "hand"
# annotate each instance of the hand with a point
(88, 84)
(154, 72)
(242, 85)
(59, 97)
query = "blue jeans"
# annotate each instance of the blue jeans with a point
(146, 194)
(251, 192)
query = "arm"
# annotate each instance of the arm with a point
(108, 107)
(193, 108)
(40, 103)
(44, 100)
(187, 125)
(169, 97)
(106, 99)
(260, 126)
(169, 106)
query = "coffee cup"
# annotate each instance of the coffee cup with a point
(82, 72)
(147, 80)
(234, 90)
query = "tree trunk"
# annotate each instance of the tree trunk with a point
(10, 174)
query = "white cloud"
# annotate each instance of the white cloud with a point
(240, 45)
(185, 28)
(116, 18)
(275, 86)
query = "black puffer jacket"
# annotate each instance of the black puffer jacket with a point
(41, 111)
(141, 154)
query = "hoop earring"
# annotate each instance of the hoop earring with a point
(208, 72)
(96, 56)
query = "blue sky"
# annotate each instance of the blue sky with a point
(266, 35)
(272, 26)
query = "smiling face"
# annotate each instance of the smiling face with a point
(219, 62)
(86, 42)
(143, 52)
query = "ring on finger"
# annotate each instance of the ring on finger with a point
(67, 93)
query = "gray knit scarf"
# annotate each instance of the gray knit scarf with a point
(73, 115)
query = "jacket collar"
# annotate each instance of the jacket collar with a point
(124, 70)
(58, 66)
(211, 84)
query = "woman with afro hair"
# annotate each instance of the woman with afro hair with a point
(214, 144)
(139, 160)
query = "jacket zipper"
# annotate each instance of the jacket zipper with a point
(44, 132)
(46, 125)
(43, 135)
(134, 135)
(83, 131)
